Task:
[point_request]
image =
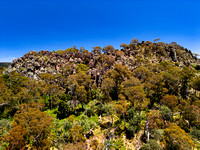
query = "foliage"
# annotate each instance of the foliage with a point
(170, 101)
(134, 120)
(150, 145)
(107, 88)
(155, 120)
(137, 97)
(108, 49)
(122, 107)
(76, 146)
(192, 113)
(195, 133)
(30, 126)
(97, 50)
(196, 83)
(156, 134)
(142, 73)
(166, 113)
(155, 88)
(176, 138)
(102, 95)
(118, 145)
(82, 67)
(86, 124)
(118, 75)
(76, 134)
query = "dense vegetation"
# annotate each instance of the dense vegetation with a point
(153, 103)
(6, 65)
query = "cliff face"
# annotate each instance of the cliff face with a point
(65, 62)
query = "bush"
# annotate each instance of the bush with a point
(166, 113)
(195, 133)
(150, 145)
(197, 67)
(86, 124)
(176, 138)
(156, 134)
(134, 121)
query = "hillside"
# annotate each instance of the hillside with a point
(133, 55)
(5, 64)
(144, 96)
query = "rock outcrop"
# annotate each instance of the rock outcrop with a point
(34, 63)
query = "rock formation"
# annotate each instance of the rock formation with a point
(34, 63)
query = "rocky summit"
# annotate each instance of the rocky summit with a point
(133, 55)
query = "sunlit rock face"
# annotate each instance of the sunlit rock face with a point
(34, 63)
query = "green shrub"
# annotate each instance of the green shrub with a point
(150, 145)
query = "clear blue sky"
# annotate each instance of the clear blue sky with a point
(27, 25)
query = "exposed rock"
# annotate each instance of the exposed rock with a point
(33, 63)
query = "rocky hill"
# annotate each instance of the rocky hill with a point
(139, 97)
(132, 55)
(5, 64)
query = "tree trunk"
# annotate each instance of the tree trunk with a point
(124, 122)
(147, 126)
(85, 110)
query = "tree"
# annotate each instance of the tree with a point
(119, 54)
(17, 138)
(52, 90)
(192, 113)
(166, 113)
(108, 49)
(82, 67)
(134, 120)
(134, 41)
(137, 97)
(142, 73)
(150, 145)
(47, 77)
(107, 61)
(107, 88)
(71, 50)
(76, 134)
(195, 133)
(81, 78)
(30, 126)
(125, 46)
(156, 40)
(109, 110)
(170, 101)
(11, 89)
(176, 138)
(155, 88)
(155, 120)
(186, 76)
(118, 75)
(97, 50)
(83, 50)
(4, 93)
(86, 124)
(196, 83)
(79, 87)
(81, 95)
(14, 81)
(64, 109)
(172, 81)
(67, 69)
(122, 107)
(131, 82)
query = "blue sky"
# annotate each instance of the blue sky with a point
(27, 25)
